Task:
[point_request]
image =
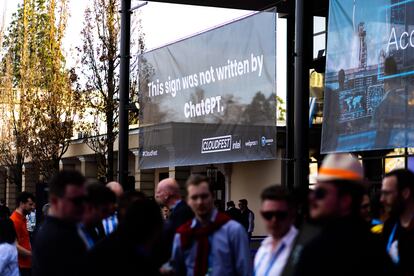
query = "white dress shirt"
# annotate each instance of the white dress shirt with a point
(272, 262)
(8, 260)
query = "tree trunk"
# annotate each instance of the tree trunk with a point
(18, 172)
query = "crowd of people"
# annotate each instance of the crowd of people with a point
(96, 229)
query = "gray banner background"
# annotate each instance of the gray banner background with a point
(218, 83)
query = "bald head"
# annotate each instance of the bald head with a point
(168, 192)
(116, 188)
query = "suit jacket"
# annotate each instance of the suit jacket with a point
(341, 247)
(179, 215)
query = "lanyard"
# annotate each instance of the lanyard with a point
(210, 257)
(272, 260)
(90, 242)
(390, 241)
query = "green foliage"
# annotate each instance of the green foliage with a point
(40, 90)
(281, 110)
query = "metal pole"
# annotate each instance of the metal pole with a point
(290, 106)
(124, 92)
(301, 99)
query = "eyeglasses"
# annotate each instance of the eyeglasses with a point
(79, 200)
(319, 193)
(279, 215)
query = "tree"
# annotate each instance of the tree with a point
(45, 104)
(55, 103)
(14, 146)
(261, 110)
(100, 78)
(13, 133)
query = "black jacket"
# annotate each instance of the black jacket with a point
(58, 249)
(116, 255)
(405, 239)
(179, 215)
(235, 214)
(339, 247)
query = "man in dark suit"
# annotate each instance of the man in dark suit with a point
(233, 212)
(168, 194)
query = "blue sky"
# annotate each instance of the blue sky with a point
(342, 37)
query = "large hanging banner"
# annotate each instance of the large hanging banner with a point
(211, 98)
(369, 95)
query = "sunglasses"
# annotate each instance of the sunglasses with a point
(319, 193)
(279, 215)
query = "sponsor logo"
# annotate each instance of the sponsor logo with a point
(265, 141)
(150, 153)
(250, 144)
(236, 145)
(216, 144)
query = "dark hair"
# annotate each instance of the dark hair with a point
(405, 179)
(142, 221)
(98, 194)
(278, 193)
(62, 179)
(243, 201)
(126, 200)
(353, 189)
(197, 179)
(7, 231)
(231, 204)
(23, 197)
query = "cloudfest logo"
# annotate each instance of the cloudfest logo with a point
(216, 144)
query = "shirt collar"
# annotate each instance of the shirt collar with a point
(213, 216)
(175, 204)
(287, 239)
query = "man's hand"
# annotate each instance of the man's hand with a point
(23, 251)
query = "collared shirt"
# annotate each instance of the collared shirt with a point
(31, 221)
(8, 260)
(110, 223)
(23, 238)
(174, 205)
(272, 262)
(90, 236)
(229, 251)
